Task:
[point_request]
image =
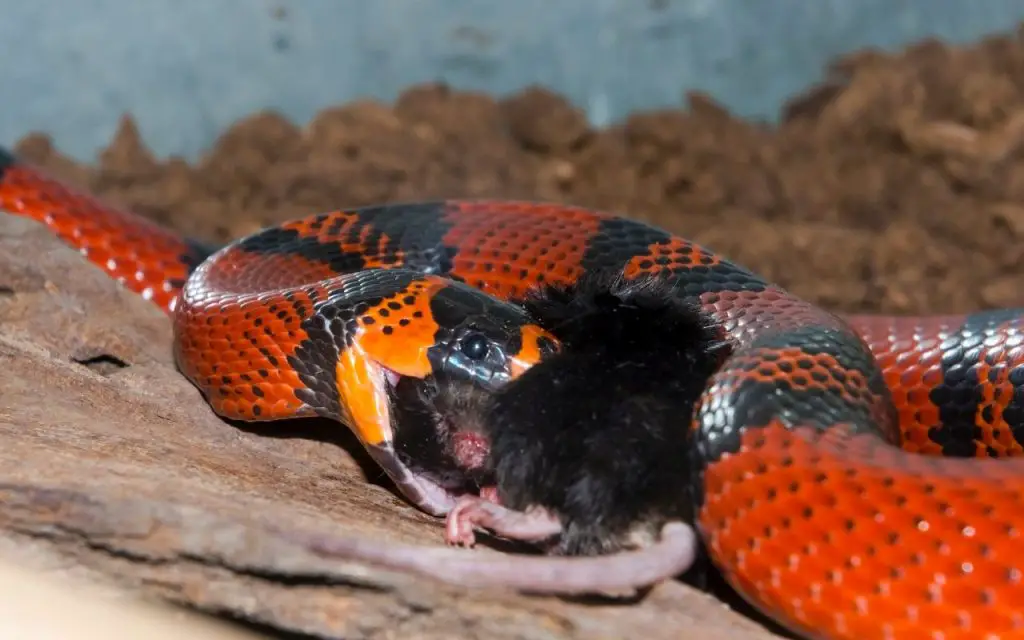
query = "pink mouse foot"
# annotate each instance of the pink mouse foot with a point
(472, 513)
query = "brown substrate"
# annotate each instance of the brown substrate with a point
(896, 186)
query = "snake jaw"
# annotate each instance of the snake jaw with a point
(424, 493)
(365, 388)
(391, 377)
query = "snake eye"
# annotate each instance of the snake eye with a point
(474, 346)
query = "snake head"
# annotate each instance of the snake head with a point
(483, 341)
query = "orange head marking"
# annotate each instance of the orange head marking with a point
(398, 331)
(535, 344)
(391, 340)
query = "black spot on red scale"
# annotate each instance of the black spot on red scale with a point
(959, 396)
(620, 240)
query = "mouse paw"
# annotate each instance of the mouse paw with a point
(463, 519)
(470, 513)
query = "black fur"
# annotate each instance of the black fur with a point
(425, 414)
(600, 432)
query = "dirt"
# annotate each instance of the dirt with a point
(895, 186)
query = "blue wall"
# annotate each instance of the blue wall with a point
(187, 68)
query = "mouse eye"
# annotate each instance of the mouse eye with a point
(474, 346)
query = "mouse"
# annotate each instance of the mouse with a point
(585, 456)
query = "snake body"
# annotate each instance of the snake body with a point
(812, 495)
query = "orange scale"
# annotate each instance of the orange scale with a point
(217, 351)
(285, 384)
(243, 391)
(954, 590)
(274, 410)
(931, 377)
(247, 408)
(272, 384)
(204, 368)
(229, 406)
(212, 334)
(904, 380)
(264, 323)
(917, 440)
(234, 349)
(919, 398)
(275, 405)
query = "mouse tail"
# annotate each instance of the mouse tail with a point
(617, 573)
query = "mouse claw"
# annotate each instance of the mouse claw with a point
(468, 514)
(461, 521)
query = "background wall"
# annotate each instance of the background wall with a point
(187, 68)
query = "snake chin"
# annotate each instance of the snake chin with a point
(391, 377)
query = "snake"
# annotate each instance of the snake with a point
(856, 473)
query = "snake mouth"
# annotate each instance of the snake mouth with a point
(391, 377)
(419, 489)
